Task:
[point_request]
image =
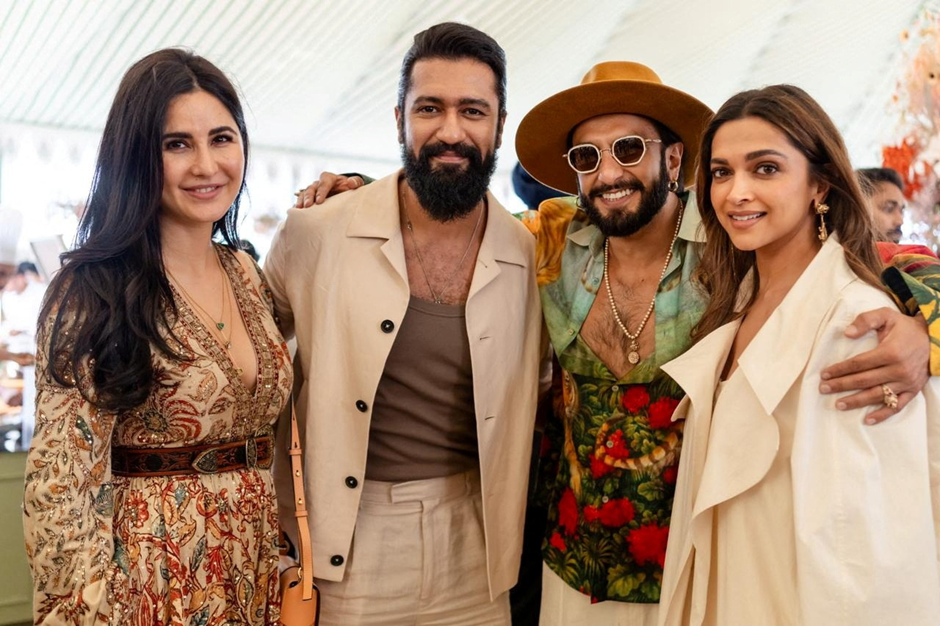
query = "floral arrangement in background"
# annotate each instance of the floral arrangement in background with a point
(915, 154)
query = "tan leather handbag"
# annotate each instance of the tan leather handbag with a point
(300, 597)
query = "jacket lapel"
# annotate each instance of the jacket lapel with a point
(375, 218)
(778, 354)
(498, 246)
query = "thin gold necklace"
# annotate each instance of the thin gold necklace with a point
(439, 296)
(219, 326)
(634, 355)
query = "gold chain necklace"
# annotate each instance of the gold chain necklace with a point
(219, 326)
(438, 297)
(634, 355)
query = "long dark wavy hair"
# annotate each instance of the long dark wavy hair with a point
(810, 130)
(111, 298)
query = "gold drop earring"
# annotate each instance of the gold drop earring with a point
(821, 210)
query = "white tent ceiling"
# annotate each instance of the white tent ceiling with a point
(320, 76)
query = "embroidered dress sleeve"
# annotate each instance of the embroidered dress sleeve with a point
(78, 570)
(863, 524)
(912, 273)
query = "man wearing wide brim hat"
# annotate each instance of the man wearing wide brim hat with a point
(618, 302)
(613, 87)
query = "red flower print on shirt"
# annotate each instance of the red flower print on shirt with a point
(660, 412)
(648, 544)
(635, 399)
(568, 512)
(616, 513)
(617, 446)
(599, 469)
(669, 475)
(557, 541)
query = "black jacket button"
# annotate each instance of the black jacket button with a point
(362, 406)
(388, 326)
(351, 482)
(336, 560)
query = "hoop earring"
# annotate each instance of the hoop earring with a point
(821, 210)
(673, 185)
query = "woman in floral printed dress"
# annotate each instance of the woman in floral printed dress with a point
(161, 371)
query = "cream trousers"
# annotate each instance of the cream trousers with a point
(418, 558)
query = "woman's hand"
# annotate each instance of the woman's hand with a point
(329, 184)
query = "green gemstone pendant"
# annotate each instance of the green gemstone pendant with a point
(219, 325)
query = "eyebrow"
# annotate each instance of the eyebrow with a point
(750, 156)
(214, 131)
(477, 102)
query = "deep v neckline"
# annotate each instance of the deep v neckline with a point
(211, 344)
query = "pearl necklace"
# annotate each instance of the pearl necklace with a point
(634, 355)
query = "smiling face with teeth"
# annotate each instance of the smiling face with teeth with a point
(762, 189)
(203, 160)
(622, 200)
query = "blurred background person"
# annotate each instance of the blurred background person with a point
(885, 188)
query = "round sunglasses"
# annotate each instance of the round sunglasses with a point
(585, 158)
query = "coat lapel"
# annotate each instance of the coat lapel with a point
(498, 246)
(375, 219)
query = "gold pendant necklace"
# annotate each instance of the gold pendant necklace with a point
(219, 325)
(634, 355)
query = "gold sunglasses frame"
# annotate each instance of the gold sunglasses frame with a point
(600, 153)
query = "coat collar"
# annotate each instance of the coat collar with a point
(376, 215)
(788, 336)
(786, 339)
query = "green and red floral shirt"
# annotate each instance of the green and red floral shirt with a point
(610, 450)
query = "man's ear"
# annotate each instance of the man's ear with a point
(499, 130)
(400, 124)
(674, 160)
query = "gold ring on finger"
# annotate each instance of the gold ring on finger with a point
(890, 398)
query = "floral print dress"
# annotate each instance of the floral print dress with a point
(191, 549)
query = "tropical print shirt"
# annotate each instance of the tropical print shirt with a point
(610, 451)
(912, 273)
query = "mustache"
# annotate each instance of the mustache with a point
(625, 185)
(461, 149)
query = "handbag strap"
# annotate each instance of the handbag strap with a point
(300, 507)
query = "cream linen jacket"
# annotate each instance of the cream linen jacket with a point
(862, 520)
(340, 284)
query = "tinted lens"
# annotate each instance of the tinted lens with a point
(583, 158)
(629, 150)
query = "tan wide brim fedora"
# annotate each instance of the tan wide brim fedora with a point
(611, 87)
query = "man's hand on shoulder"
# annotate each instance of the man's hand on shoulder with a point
(900, 362)
(328, 185)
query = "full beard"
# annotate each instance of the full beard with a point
(448, 192)
(624, 223)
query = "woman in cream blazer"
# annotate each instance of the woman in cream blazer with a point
(787, 510)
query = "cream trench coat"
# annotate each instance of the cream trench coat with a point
(863, 520)
(340, 284)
